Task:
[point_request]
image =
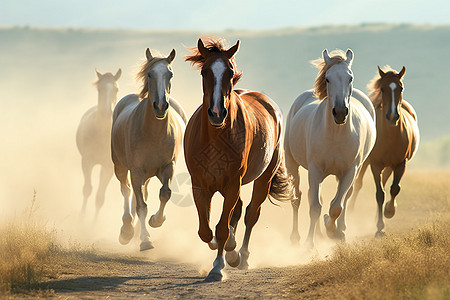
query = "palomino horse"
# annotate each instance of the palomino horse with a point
(232, 139)
(397, 139)
(329, 131)
(94, 135)
(146, 138)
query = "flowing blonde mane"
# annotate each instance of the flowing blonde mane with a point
(143, 75)
(320, 85)
(374, 86)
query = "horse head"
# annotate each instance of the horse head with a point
(391, 87)
(107, 90)
(339, 84)
(159, 75)
(218, 73)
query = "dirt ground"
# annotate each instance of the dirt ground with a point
(131, 278)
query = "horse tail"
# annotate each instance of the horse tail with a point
(281, 187)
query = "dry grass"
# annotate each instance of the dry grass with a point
(411, 262)
(409, 266)
(24, 250)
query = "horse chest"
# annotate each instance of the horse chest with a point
(215, 159)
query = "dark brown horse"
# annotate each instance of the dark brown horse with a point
(232, 139)
(397, 139)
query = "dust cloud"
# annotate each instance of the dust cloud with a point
(39, 159)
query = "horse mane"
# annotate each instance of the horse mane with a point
(374, 86)
(320, 85)
(143, 75)
(213, 45)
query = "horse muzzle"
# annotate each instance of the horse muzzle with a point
(160, 110)
(392, 119)
(217, 119)
(340, 115)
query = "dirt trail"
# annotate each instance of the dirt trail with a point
(128, 277)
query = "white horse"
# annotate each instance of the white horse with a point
(93, 137)
(329, 131)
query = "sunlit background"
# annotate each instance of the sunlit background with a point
(49, 51)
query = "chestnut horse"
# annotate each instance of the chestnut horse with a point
(397, 139)
(232, 139)
(146, 138)
(329, 131)
(94, 138)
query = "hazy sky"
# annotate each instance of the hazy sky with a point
(218, 15)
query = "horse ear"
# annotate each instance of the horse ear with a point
(148, 54)
(171, 56)
(381, 72)
(118, 74)
(202, 49)
(325, 56)
(99, 75)
(402, 73)
(233, 50)
(349, 54)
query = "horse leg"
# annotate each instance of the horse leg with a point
(127, 230)
(165, 176)
(295, 203)
(336, 206)
(231, 196)
(202, 200)
(261, 188)
(138, 182)
(86, 166)
(341, 226)
(237, 212)
(106, 173)
(315, 179)
(376, 172)
(385, 175)
(358, 185)
(389, 209)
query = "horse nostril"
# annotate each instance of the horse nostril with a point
(334, 112)
(346, 111)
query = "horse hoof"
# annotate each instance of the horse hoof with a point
(233, 258)
(380, 234)
(126, 234)
(146, 246)
(389, 210)
(330, 226)
(243, 265)
(214, 276)
(231, 244)
(295, 238)
(213, 244)
(155, 223)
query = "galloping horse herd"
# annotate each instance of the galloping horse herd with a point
(235, 137)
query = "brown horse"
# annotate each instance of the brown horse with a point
(397, 139)
(93, 137)
(232, 139)
(146, 138)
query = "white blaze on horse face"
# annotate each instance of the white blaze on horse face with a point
(393, 86)
(339, 85)
(159, 71)
(218, 68)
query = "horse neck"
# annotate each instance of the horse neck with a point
(150, 124)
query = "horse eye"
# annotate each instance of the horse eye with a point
(327, 80)
(382, 90)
